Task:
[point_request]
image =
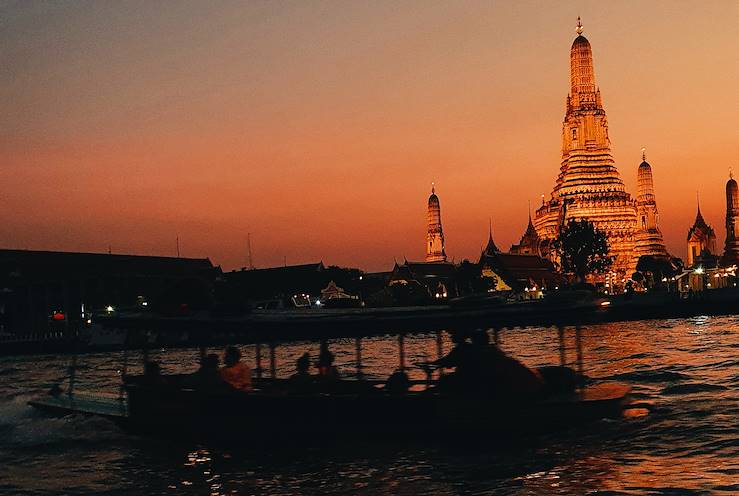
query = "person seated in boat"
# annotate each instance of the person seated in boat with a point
(235, 372)
(398, 382)
(153, 374)
(208, 377)
(301, 380)
(325, 364)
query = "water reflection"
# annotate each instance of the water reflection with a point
(685, 372)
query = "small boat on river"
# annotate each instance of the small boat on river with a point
(173, 406)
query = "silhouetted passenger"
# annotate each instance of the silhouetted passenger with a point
(153, 374)
(207, 378)
(302, 365)
(235, 372)
(301, 380)
(56, 390)
(326, 363)
(398, 382)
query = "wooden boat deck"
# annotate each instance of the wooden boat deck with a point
(108, 406)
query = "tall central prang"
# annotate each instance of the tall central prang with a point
(588, 185)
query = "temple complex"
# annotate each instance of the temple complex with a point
(701, 241)
(435, 236)
(589, 185)
(731, 247)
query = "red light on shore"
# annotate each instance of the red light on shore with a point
(58, 316)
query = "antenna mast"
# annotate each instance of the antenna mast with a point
(249, 261)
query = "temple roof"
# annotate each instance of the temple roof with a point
(490, 248)
(519, 271)
(700, 226)
(530, 230)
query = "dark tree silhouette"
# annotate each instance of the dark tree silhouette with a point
(582, 249)
(656, 268)
(469, 277)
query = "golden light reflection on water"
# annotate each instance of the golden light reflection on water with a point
(682, 433)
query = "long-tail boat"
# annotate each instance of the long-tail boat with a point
(176, 405)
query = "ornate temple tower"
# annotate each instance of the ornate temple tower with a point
(701, 240)
(435, 236)
(588, 185)
(648, 236)
(731, 247)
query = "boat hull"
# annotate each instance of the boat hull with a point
(249, 415)
(191, 414)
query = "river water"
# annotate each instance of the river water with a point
(686, 370)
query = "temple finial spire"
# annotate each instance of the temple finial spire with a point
(731, 173)
(579, 28)
(490, 228)
(433, 187)
(643, 154)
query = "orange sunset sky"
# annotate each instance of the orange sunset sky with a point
(319, 126)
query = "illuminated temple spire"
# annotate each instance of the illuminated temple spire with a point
(731, 248)
(435, 236)
(649, 240)
(582, 74)
(588, 185)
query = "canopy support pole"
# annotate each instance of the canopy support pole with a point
(272, 361)
(578, 345)
(258, 359)
(124, 368)
(562, 358)
(145, 351)
(401, 351)
(72, 374)
(358, 354)
(440, 349)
